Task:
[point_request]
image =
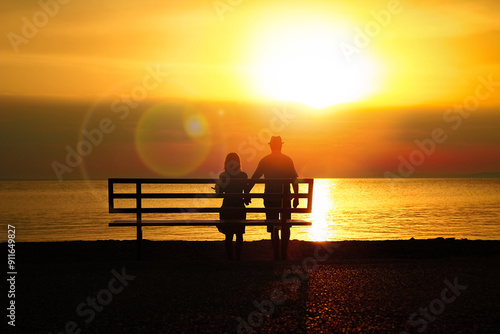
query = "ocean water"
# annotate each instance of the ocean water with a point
(343, 209)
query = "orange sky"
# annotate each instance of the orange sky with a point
(361, 84)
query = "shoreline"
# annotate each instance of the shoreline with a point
(117, 250)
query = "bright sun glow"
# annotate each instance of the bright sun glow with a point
(306, 64)
(322, 206)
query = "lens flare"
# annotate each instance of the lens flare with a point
(196, 125)
(173, 140)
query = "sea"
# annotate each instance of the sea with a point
(343, 209)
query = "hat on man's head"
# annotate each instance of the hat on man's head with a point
(275, 140)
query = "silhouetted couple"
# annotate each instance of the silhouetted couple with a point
(235, 184)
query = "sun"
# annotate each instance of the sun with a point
(305, 64)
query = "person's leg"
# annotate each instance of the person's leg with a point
(229, 245)
(275, 237)
(285, 237)
(239, 245)
(275, 240)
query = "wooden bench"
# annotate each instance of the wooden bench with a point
(138, 193)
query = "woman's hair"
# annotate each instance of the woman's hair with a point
(232, 164)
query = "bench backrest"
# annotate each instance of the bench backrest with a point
(139, 195)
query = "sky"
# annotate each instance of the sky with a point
(98, 89)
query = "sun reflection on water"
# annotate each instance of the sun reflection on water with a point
(323, 204)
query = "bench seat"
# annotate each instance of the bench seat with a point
(215, 222)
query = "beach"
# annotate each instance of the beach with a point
(413, 286)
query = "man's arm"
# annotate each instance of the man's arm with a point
(258, 171)
(295, 187)
(256, 175)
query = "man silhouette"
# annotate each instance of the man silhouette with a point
(277, 165)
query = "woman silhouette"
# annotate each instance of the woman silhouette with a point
(233, 182)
